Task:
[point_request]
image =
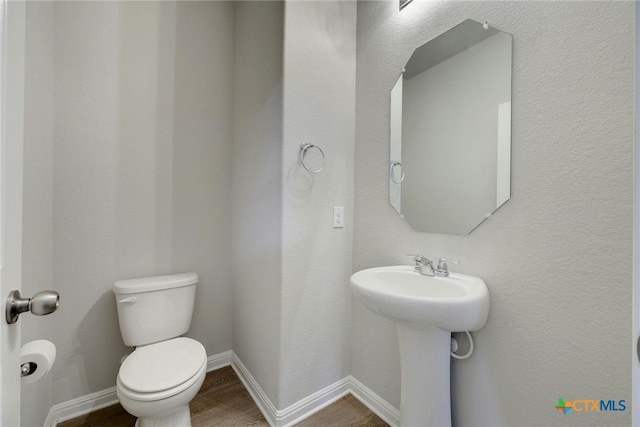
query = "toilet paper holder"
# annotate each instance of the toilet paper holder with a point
(28, 368)
(42, 303)
(36, 360)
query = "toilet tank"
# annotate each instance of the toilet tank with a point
(153, 309)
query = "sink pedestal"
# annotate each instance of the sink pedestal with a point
(425, 399)
(425, 309)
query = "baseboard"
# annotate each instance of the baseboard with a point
(101, 399)
(375, 403)
(80, 406)
(308, 406)
(276, 418)
(314, 403)
(219, 360)
(258, 395)
(296, 412)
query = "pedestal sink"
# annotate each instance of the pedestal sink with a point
(426, 310)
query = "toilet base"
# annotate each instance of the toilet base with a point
(181, 417)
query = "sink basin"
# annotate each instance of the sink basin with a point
(399, 293)
(426, 310)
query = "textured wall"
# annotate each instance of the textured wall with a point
(319, 107)
(140, 166)
(202, 144)
(290, 302)
(257, 193)
(37, 225)
(557, 256)
(84, 176)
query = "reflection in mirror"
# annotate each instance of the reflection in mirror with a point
(450, 136)
(403, 3)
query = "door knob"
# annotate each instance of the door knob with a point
(45, 302)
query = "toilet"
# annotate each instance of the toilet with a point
(165, 371)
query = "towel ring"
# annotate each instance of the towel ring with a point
(393, 165)
(303, 152)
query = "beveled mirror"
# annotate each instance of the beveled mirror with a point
(450, 139)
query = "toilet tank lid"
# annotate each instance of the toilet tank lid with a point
(155, 283)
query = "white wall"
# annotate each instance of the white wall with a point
(291, 298)
(319, 107)
(85, 186)
(557, 256)
(202, 147)
(141, 180)
(257, 192)
(145, 99)
(37, 225)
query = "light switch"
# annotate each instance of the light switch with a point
(338, 217)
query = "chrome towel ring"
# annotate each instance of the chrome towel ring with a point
(303, 153)
(393, 165)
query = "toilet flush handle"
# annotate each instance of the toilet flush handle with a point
(130, 300)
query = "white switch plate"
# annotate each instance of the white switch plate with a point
(338, 217)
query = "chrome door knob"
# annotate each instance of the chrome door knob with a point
(44, 302)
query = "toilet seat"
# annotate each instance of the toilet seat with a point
(161, 370)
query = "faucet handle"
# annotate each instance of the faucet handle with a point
(419, 258)
(443, 262)
(442, 270)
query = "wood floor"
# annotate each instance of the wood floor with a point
(223, 401)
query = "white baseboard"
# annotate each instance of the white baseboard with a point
(296, 412)
(276, 418)
(375, 403)
(80, 406)
(314, 403)
(219, 360)
(308, 406)
(101, 399)
(257, 394)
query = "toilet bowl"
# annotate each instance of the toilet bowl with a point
(158, 380)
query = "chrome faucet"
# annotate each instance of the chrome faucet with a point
(421, 262)
(442, 270)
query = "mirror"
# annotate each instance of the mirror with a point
(403, 3)
(450, 139)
